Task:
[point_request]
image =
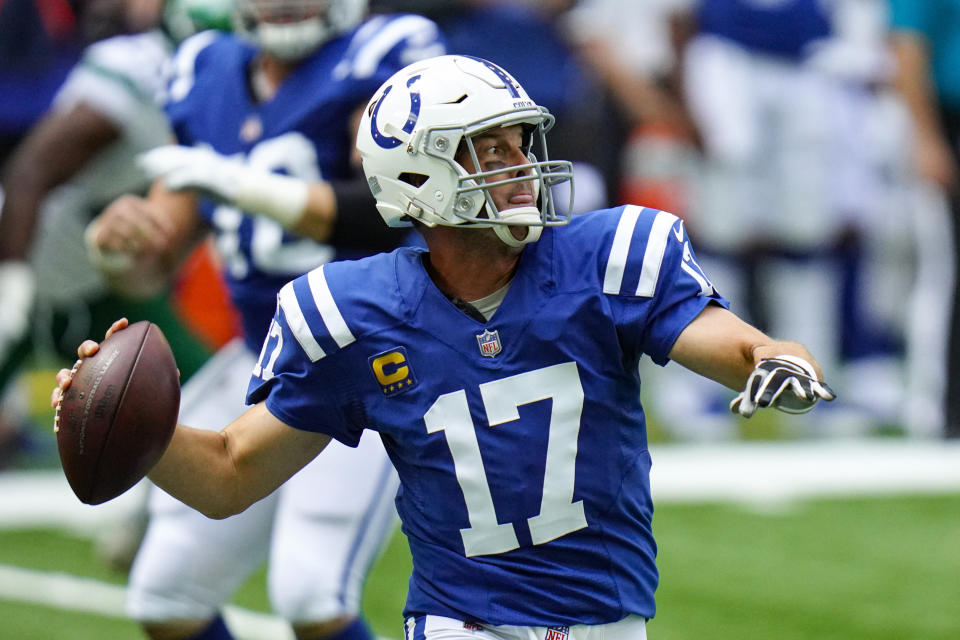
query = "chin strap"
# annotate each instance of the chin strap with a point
(505, 233)
(518, 216)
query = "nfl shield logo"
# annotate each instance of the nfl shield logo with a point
(557, 633)
(489, 342)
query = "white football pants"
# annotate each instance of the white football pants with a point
(320, 531)
(440, 628)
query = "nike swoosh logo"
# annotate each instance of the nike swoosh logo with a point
(678, 232)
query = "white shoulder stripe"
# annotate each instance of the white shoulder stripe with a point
(617, 260)
(184, 64)
(322, 297)
(368, 58)
(653, 256)
(706, 289)
(298, 324)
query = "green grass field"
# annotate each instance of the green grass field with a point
(866, 568)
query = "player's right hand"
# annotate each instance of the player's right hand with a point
(86, 349)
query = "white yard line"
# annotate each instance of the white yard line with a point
(741, 472)
(64, 591)
(775, 472)
(755, 473)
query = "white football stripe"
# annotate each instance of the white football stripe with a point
(328, 309)
(298, 324)
(653, 256)
(184, 64)
(706, 288)
(617, 260)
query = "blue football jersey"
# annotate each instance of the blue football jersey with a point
(778, 27)
(520, 443)
(304, 131)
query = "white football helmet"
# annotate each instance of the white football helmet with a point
(293, 29)
(413, 127)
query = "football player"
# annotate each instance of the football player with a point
(80, 155)
(799, 193)
(264, 121)
(498, 365)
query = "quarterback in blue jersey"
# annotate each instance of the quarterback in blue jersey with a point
(265, 122)
(498, 366)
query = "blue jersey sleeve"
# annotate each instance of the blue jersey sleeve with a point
(780, 28)
(655, 284)
(300, 384)
(186, 66)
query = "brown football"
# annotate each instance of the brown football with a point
(117, 416)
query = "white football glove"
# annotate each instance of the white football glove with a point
(17, 291)
(228, 180)
(787, 383)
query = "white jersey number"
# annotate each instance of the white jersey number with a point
(268, 251)
(559, 514)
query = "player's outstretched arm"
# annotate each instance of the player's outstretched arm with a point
(306, 208)
(222, 473)
(53, 152)
(767, 372)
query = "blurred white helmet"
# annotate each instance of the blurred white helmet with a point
(183, 18)
(293, 29)
(415, 124)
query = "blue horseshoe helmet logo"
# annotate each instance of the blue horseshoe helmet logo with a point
(510, 83)
(390, 142)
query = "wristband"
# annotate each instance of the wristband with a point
(282, 198)
(18, 286)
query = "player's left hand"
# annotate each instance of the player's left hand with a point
(198, 168)
(787, 383)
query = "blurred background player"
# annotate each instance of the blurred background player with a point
(925, 40)
(74, 161)
(798, 194)
(40, 41)
(265, 122)
(631, 47)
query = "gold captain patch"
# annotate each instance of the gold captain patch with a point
(392, 371)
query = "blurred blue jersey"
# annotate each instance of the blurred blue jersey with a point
(777, 27)
(304, 131)
(520, 442)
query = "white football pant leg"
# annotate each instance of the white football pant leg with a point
(188, 564)
(333, 520)
(928, 322)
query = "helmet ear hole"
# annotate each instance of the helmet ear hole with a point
(413, 179)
